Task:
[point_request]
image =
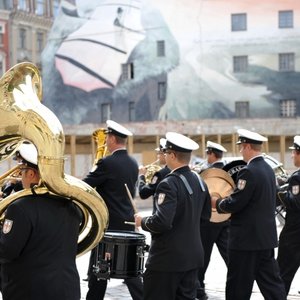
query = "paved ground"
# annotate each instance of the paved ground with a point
(215, 276)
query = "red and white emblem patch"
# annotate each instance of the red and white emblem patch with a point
(7, 226)
(161, 198)
(295, 189)
(241, 184)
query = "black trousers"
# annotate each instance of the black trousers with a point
(170, 285)
(246, 266)
(289, 260)
(97, 288)
(212, 233)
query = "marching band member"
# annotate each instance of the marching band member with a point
(109, 178)
(38, 242)
(212, 233)
(289, 239)
(181, 201)
(252, 229)
(147, 190)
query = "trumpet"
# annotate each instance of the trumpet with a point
(12, 174)
(151, 169)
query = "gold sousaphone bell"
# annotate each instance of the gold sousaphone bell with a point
(220, 185)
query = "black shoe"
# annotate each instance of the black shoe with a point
(203, 297)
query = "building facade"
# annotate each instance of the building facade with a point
(135, 61)
(24, 28)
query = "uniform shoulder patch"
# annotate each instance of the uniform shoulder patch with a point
(7, 226)
(295, 189)
(241, 184)
(161, 198)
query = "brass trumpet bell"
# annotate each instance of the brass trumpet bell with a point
(220, 185)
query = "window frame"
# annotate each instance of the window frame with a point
(240, 64)
(238, 22)
(286, 19)
(286, 62)
(288, 108)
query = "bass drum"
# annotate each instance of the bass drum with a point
(233, 168)
(121, 254)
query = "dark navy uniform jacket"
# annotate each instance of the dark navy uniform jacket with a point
(252, 205)
(38, 250)
(291, 229)
(147, 190)
(109, 178)
(175, 224)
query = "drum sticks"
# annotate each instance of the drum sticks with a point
(132, 203)
(130, 198)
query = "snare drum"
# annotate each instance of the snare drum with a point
(121, 254)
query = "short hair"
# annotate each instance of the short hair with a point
(183, 157)
(119, 139)
(256, 147)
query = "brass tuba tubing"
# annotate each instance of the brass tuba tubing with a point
(24, 117)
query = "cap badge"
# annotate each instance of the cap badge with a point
(241, 184)
(161, 198)
(7, 226)
(295, 189)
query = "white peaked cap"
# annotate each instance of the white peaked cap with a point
(29, 153)
(117, 129)
(180, 142)
(296, 145)
(216, 146)
(250, 137)
(162, 144)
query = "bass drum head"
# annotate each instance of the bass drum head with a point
(233, 168)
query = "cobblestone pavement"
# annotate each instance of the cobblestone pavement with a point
(215, 278)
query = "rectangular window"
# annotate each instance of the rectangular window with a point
(238, 22)
(162, 91)
(55, 7)
(286, 62)
(240, 64)
(288, 108)
(22, 38)
(127, 71)
(105, 112)
(40, 41)
(161, 48)
(40, 8)
(286, 19)
(22, 5)
(131, 108)
(1, 38)
(6, 4)
(242, 109)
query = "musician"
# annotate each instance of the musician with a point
(147, 190)
(38, 242)
(109, 178)
(289, 240)
(182, 201)
(212, 233)
(252, 234)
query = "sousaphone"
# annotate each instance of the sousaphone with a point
(220, 185)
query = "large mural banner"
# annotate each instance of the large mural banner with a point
(101, 60)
